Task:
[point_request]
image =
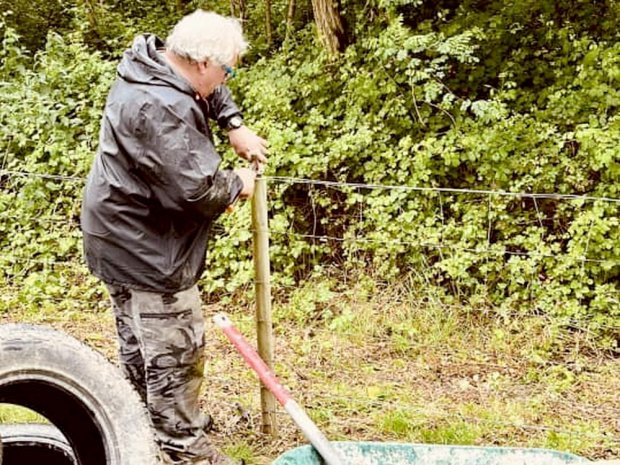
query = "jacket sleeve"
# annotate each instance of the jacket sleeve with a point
(180, 163)
(222, 106)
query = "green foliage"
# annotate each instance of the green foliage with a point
(401, 108)
(307, 304)
(48, 127)
(452, 104)
(451, 432)
(10, 413)
(242, 451)
(399, 423)
(32, 19)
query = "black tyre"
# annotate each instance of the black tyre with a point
(77, 390)
(35, 444)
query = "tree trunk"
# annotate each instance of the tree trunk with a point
(268, 29)
(290, 16)
(330, 25)
(237, 9)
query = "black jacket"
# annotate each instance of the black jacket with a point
(155, 186)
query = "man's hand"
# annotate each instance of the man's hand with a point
(248, 176)
(247, 144)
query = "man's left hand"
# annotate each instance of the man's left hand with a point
(247, 144)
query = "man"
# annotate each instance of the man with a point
(154, 189)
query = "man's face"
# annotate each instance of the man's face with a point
(212, 74)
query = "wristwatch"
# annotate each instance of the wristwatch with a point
(234, 123)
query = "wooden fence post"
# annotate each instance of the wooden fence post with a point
(262, 286)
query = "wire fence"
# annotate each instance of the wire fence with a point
(66, 223)
(326, 238)
(72, 223)
(353, 185)
(445, 190)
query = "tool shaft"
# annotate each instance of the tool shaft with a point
(266, 375)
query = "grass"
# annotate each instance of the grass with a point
(18, 414)
(388, 363)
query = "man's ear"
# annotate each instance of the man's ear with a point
(202, 66)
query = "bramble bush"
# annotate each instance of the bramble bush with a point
(49, 125)
(508, 99)
(386, 113)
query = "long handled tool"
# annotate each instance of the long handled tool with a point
(299, 416)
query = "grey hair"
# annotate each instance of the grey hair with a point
(204, 35)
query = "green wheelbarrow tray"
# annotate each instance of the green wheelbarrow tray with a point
(381, 453)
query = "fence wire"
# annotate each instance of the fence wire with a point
(358, 186)
(446, 190)
(431, 245)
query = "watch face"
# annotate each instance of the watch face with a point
(235, 122)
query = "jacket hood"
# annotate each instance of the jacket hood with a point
(143, 64)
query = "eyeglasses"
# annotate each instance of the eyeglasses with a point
(229, 72)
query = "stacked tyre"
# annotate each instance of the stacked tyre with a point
(83, 395)
(35, 444)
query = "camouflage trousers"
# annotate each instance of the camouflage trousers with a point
(161, 351)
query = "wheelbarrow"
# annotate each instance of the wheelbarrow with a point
(382, 453)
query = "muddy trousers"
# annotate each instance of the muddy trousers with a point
(161, 351)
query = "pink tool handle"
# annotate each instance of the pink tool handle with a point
(305, 423)
(253, 359)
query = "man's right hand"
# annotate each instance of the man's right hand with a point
(248, 176)
(247, 144)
